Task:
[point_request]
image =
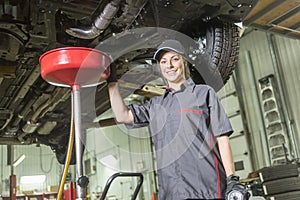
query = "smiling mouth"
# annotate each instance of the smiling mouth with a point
(171, 72)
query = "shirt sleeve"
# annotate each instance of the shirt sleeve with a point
(219, 121)
(141, 115)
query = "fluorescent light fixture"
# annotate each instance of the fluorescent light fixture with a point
(36, 179)
(19, 160)
(33, 183)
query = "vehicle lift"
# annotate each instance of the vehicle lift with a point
(77, 67)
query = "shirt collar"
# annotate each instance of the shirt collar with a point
(189, 85)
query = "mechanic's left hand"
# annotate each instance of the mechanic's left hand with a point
(235, 189)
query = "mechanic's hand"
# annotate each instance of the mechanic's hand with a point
(113, 74)
(236, 190)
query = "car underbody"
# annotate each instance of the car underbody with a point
(33, 111)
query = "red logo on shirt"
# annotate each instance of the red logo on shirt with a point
(191, 111)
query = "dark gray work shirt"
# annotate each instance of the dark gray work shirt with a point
(183, 127)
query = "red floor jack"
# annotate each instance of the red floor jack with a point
(70, 193)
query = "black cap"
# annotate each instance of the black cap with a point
(169, 45)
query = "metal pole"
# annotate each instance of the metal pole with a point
(257, 108)
(2, 167)
(249, 137)
(81, 181)
(12, 178)
(11, 154)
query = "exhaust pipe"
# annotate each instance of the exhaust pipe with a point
(100, 23)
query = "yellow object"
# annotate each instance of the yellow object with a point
(68, 158)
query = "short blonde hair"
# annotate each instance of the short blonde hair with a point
(185, 68)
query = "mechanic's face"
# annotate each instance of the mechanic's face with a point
(171, 67)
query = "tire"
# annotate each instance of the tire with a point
(61, 155)
(222, 49)
(281, 186)
(278, 172)
(285, 196)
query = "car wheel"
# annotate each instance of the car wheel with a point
(281, 186)
(62, 153)
(278, 172)
(220, 44)
(284, 196)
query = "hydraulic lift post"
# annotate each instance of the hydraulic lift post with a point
(13, 187)
(12, 178)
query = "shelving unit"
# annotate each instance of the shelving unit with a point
(39, 196)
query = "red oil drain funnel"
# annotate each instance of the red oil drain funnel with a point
(76, 67)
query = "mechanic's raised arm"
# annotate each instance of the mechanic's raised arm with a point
(122, 113)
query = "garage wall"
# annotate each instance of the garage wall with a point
(289, 55)
(261, 55)
(38, 161)
(116, 149)
(243, 155)
(130, 148)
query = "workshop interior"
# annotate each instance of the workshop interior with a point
(59, 138)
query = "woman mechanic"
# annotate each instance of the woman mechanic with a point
(189, 128)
